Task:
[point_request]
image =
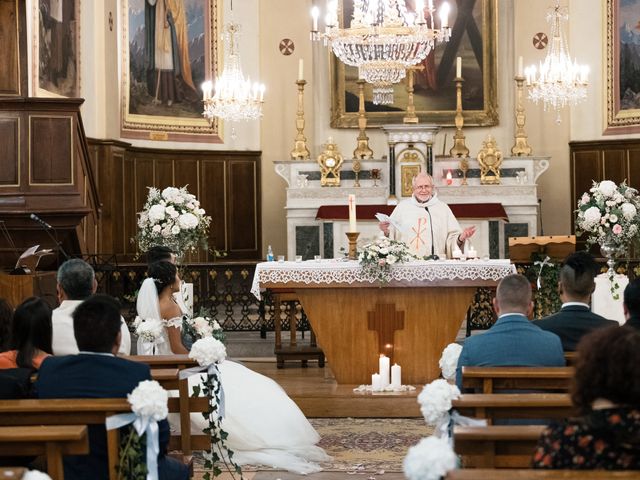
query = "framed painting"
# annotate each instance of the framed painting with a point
(169, 49)
(622, 74)
(56, 48)
(473, 37)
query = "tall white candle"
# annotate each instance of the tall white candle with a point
(384, 370)
(301, 69)
(520, 67)
(458, 67)
(396, 376)
(352, 213)
(315, 12)
(376, 385)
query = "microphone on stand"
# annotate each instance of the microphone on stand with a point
(46, 227)
(433, 255)
(540, 213)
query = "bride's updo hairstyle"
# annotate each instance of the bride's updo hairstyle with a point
(163, 274)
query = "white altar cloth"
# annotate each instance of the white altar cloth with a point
(332, 271)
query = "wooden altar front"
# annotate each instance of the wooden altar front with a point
(355, 318)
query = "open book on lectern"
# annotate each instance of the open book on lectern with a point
(31, 257)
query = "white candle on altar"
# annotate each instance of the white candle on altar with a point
(396, 376)
(352, 213)
(376, 384)
(301, 69)
(458, 67)
(384, 370)
(520, 66)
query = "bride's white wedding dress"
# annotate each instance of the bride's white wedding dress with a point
(265, 426)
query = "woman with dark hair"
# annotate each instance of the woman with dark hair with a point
(606, 390)
(6, 314)
(31, 334)
(264, 425)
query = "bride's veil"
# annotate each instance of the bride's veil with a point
(147, 304)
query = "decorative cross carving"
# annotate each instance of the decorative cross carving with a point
(386, 320)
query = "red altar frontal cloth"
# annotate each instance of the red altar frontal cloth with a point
(467, 211)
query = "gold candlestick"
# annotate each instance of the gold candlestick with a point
(300, 150)
(411, 116)
(353, 244)
(362, 151)
(459, 148)
(521, 147)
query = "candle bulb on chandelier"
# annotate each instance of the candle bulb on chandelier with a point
(300, 69)
(444, 15)
(458, 67)
(315, 12)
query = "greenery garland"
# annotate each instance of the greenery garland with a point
(132, 464)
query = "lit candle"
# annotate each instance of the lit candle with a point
(352, 213)
(444, 15)
(315, 12)
(449, 178)
(458, 67)
(520, 66)
(472, 253)
(396, 376)
(376, 384)
(384, 370)
(457, 253)
(301, 69)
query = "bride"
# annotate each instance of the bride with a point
(265, 426)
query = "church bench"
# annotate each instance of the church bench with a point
(495, 379)
(531, 474)
(496, 446)
(570, 358)
(493, 406)
(54, 441)
(179, 361)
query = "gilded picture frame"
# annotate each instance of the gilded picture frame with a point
(623, 83)
(163, 65)
(434, 95)
(55, 52)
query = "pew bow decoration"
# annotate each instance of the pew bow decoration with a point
(149, 405)
(542, 264)
(449, 361)
(430, 459)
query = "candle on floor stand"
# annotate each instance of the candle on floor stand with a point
(384, 370)
(352, 213)
(301, 69)
(520, 67)
(376, 384)
(396, 376)
(458, 67)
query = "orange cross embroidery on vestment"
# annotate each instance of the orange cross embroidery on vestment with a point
(419, 230)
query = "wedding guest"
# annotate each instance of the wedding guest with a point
(631, 304)
(30, 335)
(575, 287)
(76, 283)
(606, 390)
(6, 313)
(513, 340)
(96, 372)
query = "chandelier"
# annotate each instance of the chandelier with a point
(232, 97)
(383, 39)
(558, 81)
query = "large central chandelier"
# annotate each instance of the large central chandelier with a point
(558, 81)
(383, 39)
(232, 97)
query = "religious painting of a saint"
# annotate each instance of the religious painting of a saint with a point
(473, 37)
(56, 53)
(623, 58)
(168, 52)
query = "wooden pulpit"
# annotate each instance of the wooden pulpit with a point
(16, 288)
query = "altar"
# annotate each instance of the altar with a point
(356, 318)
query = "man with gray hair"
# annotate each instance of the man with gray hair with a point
(76, 283)
(513, 340)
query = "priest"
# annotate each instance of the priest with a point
(425, 223)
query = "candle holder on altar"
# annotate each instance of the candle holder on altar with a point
(521, 146)
(353, 244)
(459, 148)
(300, 150)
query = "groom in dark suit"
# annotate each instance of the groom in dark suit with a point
(96, 372)
(575, 286)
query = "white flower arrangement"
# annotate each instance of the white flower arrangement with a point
(34, 475)
(608, 214)
(377, 257)
(172, 218)
(149, 399)
(149, 330)
(436, 400)
(202, 327)
(449, 361)
(430, 459)
(208, 351)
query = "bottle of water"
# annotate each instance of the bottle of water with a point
(269, 254)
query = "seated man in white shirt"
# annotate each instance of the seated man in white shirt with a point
(76, 283)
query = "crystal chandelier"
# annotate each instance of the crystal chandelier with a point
(232, 97)
(383, 40)
(558, 81)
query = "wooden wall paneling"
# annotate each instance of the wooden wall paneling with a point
(117, 241)
(633, 167)
(186, 172)
(163, 175)
(614, 164)
(243, 207)
(51, 156)
(13, 81)
(130, 197)
(213, 199)
(10, 152)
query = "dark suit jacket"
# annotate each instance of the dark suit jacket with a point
(92, 376)
(571, 323)
(512, 341)
(633, 322)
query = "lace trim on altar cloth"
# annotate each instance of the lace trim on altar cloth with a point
(174, 322)
(337, 271)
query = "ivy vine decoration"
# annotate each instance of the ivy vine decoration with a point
(131, 464)
(543, 274)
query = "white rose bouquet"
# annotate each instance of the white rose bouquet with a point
(208, 351)
(430, 459)
(377, 258)
(449, 361)
(436, 400)
(149, 399)
(172, 218)
(149, 330)
(201, 327)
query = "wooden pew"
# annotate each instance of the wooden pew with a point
(496, 379)
(13, 473)
(496, 446)
(164, 361)
(570, 358)
(54, 441)
(530, 474)
(494, 406)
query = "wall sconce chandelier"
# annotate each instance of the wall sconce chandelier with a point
(558, 81)
(383, 39)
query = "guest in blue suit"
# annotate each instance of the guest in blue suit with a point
(575, 286)
(513, 340)
(96, 372)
